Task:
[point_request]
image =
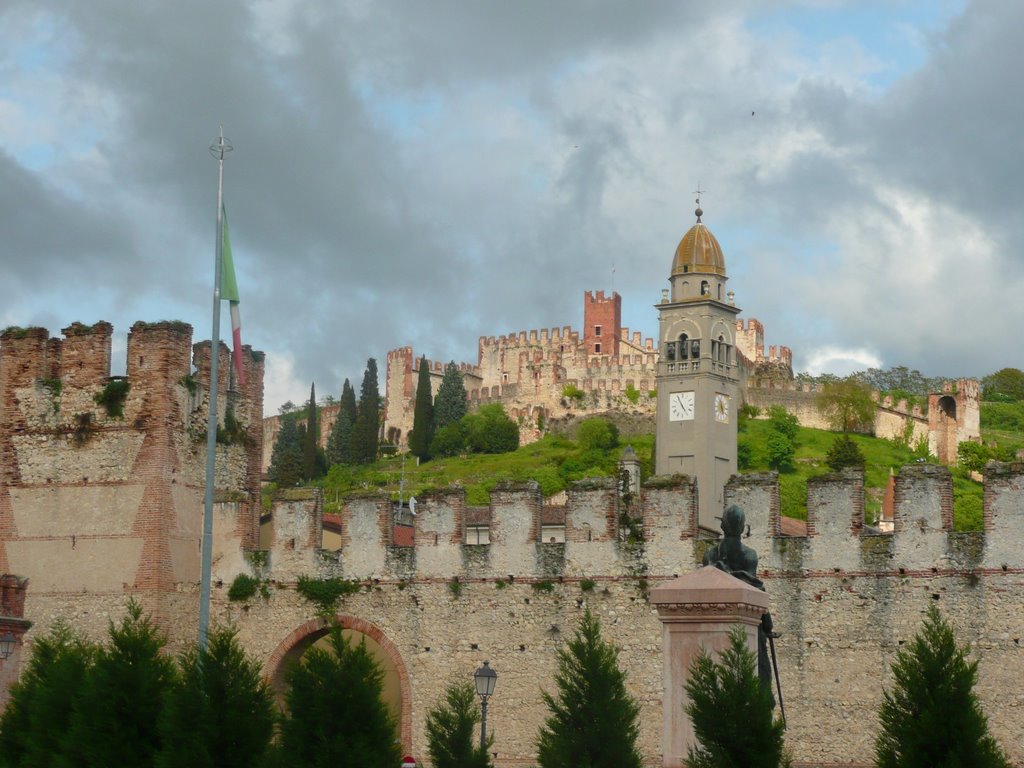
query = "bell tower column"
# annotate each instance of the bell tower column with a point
(698, 379)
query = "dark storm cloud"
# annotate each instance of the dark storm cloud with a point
(426, 173)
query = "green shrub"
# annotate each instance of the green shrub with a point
(325, 594)
(243, 588)
(598, 434)
(783, 421)
(572, 392)
(632, 394)
(544, 585)
(587, 585)
(780, 450)
(844, 453)
(113, 396)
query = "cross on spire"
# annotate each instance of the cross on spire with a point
(698, 192)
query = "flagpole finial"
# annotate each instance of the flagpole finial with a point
(221, 147)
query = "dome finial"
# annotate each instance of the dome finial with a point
(699, 212)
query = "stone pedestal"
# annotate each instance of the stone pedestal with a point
(697, 612)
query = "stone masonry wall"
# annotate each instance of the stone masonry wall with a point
(844, 599)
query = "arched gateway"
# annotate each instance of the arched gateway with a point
(291, 648)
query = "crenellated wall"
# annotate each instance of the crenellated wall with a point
(844, 596)
(96, 505)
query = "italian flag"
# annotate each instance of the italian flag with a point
(229, 291)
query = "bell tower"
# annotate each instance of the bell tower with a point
(698, 379)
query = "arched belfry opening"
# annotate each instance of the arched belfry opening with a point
(397, 693)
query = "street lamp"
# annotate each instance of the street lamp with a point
(8, 641)
(485, 678)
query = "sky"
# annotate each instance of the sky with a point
(426, 173)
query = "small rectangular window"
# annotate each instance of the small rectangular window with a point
(552, 534)
(597, 349)
(597, 330)
(478, 534)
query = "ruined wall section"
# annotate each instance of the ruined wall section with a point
(96, 504)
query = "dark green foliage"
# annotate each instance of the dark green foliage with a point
(931, 716)
(232, 433)
(972, 456)
(490, 430)
(113, 396)
(848, 405)
(594, 721)
(286, 458)
(220, 712)
(339, 442)
(597, 433)
(731, 711)
(844, 453)
(365, 432)
(783, 421)
(34, 727)
(452, 734)
(450, 404)
(1005, 385)
(336, 718)
(450, 440)
(899, 379)
(244, 587)
(780, 451)
(314, 464)
(423, 415)
(116, 715)
(325, 594)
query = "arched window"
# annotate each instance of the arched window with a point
(719, 291)
(695, 349)
(705, 288)
(670, 351)
(684, 348)
(720, 354)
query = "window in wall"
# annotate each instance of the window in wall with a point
(552, 534)
(684, 347)
(695, 349)
(478, 534)
(597, 330)
(670, 351)
(504, 377)
(704, 288)
(597, 349)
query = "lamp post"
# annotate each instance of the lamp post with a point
(7, 643)
(485, 678)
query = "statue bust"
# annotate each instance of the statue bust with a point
(731, 554)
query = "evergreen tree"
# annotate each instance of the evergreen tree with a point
(844, 452)
(366, 430)
(731, 711)
(932, 717)
(339, 442)
(423, 416)
(452, 731)
(336, 718)
(116, 717)
(220, 712)
(34, 726)
(286, 459)
(313, 461)
(594, 721)
(450, 404)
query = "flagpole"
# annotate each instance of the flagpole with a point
(218, 150)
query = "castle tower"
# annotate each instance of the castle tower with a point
(602, 323)
(697, 372)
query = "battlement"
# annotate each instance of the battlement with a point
(544, 337)
(519, 534)
(598, 297)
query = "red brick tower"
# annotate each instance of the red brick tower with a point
(602, 323)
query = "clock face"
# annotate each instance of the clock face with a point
(722, 408)
(680, 406)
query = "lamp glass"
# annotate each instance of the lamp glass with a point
(485, 679)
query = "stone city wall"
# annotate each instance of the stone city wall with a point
(845, 597)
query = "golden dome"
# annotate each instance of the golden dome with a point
(699, 252)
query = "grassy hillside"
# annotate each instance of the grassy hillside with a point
(554, 462)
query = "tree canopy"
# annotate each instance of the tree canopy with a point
(423, 415)
(450, 405)
(452, 730)
(286, 463)
(1005, 385)
(847, 405)
(366, 430)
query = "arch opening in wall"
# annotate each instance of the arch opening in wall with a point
(397, 693)
(947, 405)
(684, 347)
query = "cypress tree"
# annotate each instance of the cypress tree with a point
(731, 711)
(932, 716)
(594, 721)
(220, 713)
(34, 726)
(450, 404)
(452, 733)
(423, 416)
(339, 442)
(116, 717)
(366, 430)
(286, 459)
(312, 458)
(336, 717)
